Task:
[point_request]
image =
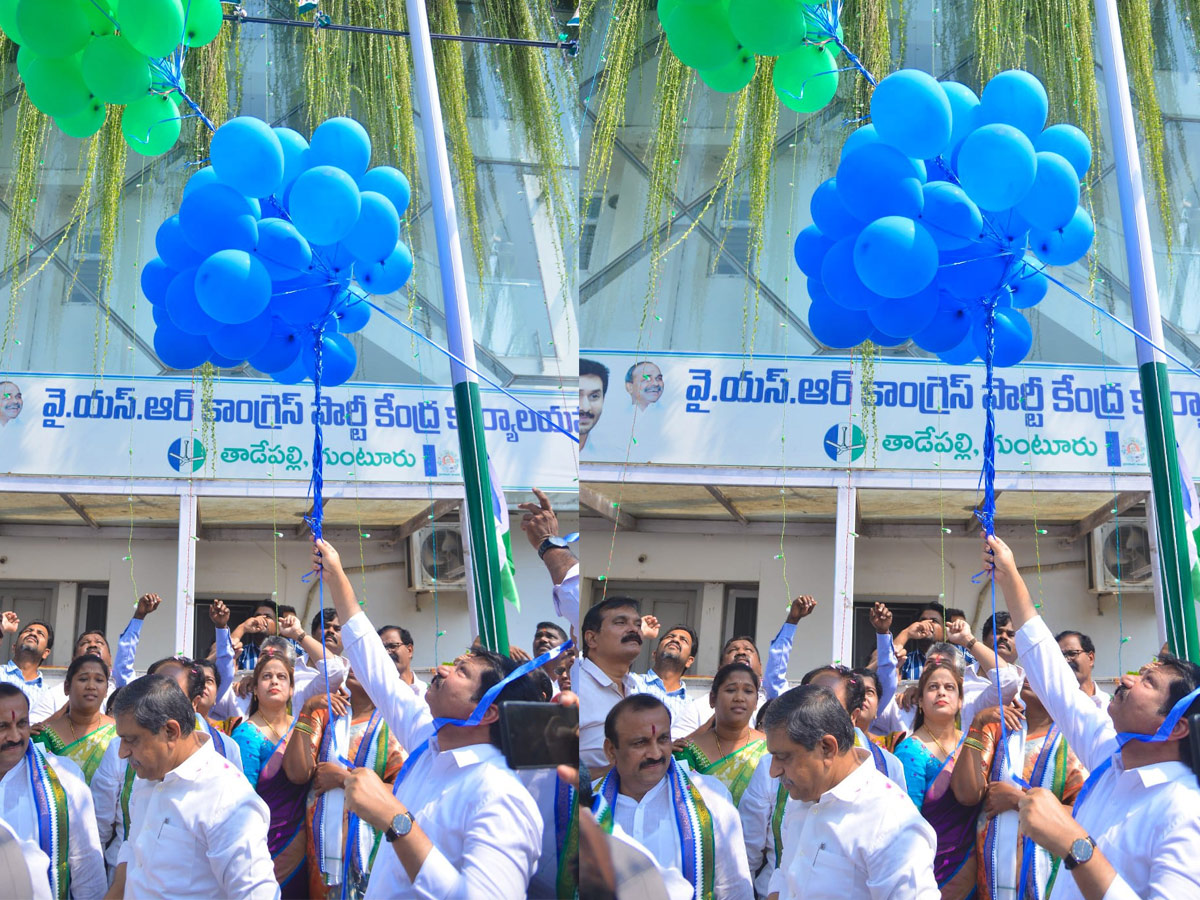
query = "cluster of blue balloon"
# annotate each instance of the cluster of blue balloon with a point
(923, 233)
(257, 264)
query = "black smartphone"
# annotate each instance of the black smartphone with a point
(1194, 742)
(539, 735)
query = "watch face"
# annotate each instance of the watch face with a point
(402, 824)
(1081, 849)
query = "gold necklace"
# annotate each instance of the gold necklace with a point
(278, 736)
(945, 755)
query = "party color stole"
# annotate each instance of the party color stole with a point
(692, 819)
(1027, 875)
(781, 798)
(734, 770)
(126, 793)
(566, 835)
(50, 802)
(86, 752)
(213, 732)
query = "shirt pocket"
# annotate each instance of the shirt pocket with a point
(830, 865)
(173, 854)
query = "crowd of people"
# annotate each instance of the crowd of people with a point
(313, 762)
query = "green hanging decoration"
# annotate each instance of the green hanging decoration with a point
(868, 354)
(763, 128)
(32, 130)
(671, 96)
(111, 152)
(1000, 28)
(208, 416)
(206, 71)
(869, 30)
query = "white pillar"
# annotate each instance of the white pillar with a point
(185, 580)
(843, 574)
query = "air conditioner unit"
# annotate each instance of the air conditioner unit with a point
(436, 560)
(1120, 557)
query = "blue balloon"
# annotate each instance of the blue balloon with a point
(233, 287)
(838, 327)
(911, 112)
(1051, 202)
(338, 359)
(948, 328)
(1028, 287)
(302, 301)
(294, 148)
(180, 350)
(1065, 245)
(243, 340)
(878, 180)
(156, 278)
(841, 281)
(829, 213)
(375, 233)
(973, 272)
(324, 204)
(810, 248)
(1008, 229)
(885, 340)
(391, 274)
(281, 249)
(201, 178)
(353, 314)
(216, 217)
(223, 362)
(996, 166)
(294, 373)
(184, 309)
(963, 104)
(950, 216)
(1015, 98)
(895, 257)
(173, 247)
(341, 142)
(905, 316)
(961, 354)
(1012, 341)
(817, 292)
(248, 157)
(391, 183)
(1068, 142)
(159, 313)
(335, 262)
(280, 351)
(859, 137)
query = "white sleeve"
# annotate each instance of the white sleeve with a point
(901, 864)
(106, 790)
(979, 690)
(237, 848)
(755, 813)
(335, 666)
(85, 859)
(889, 719)
(407, 715)
(566, 597)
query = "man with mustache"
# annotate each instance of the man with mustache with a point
(1133, 830)
(612, 640)
(849, 832)
(398, 643)
(546, 637)
(644, 383)
(46, 802)
(30, 649)
(649, 799)
(1080, 654)
(593, 386)
(674, 655)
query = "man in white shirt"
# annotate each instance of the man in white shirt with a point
(30, 649)
(399, 646)
(197, 828)
(612, 639)
(648, 799)
(1080, 654)
(34, 820)
(1134, 831)
(849, 832)
(459, 823)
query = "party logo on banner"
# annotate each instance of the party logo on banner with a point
(186, 455)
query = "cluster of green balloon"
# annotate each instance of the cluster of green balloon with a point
(945, 208)
(722, 39)
(258, 263)
(77, 57)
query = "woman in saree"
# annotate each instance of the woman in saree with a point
(262, 739)
(727, 748)
(80, 730)
(338, 847)
(1038, 753)
(928, 755)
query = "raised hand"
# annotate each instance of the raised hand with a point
(650, 628)
(147, 603)
(9, 623)
(539, 520)
(517, 655)
(801, 607)
(290, 627)
(218, 614)
(881, 619)
(959, 632)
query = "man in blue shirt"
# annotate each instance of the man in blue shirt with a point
(672, 658)
(31, 648)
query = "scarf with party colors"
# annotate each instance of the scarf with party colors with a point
(126, 791)
(692, 819)
(50, 802)
(781, 797)
(566, 834)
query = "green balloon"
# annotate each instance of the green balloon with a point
(84, 123)
(114, 71)
(8, 21)
(733, 77)
(700, 35)
(806, 79)
(768, 27)
(99, 23)
(151, 125)
(817, 34)
(53, 28)
(665, 8)
(204, 18)
(154, 27)
(55, 86)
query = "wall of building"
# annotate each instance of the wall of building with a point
(899, 569)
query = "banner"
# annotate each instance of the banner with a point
(805, 412)
(81, 425)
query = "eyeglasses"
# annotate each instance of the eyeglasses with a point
(392, 648)
(1071, 654)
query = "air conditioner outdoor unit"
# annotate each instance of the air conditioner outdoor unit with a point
(436, 560)
(1120, 557)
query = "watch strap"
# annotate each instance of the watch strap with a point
(1071, 860)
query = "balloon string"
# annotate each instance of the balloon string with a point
(828, 16)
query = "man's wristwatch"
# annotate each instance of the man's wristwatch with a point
(554, 542)
(401, 825)
(1081, 851)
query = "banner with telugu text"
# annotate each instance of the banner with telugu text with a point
(155, 427)
(805, 412)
